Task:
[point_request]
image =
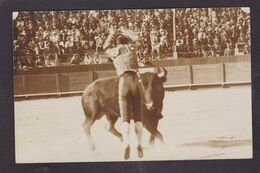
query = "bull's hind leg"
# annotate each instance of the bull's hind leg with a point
(111, 126)
(87, 127)
(158, 135)
(154, 134)
(139, 133)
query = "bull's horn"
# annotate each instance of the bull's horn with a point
(162, 72)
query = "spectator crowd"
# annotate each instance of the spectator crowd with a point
(205, 32)
(49, 38)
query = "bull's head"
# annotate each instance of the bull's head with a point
(152, 86)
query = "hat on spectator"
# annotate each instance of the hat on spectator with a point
(195, 40)
(120, 23)
(163, 31)
(130, 24)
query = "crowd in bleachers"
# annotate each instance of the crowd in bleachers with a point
(49, 38)
(212, 32)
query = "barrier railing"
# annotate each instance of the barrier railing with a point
(178, 76)
(160, 63)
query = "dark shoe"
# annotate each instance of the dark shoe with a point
(127, 152)
(140, 151)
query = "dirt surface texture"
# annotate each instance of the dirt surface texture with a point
(212, 123)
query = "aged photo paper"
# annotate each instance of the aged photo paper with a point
(132, 85)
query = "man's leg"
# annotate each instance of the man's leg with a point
(139, 133)
(138, 118)
(123, 107)
(125, 134)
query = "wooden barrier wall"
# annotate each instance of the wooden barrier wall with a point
(178, 75)
(185, 75)
(236, 72)
(204, 74)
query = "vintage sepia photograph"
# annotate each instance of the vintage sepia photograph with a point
(132, 85)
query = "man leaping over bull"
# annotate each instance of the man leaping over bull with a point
(125, 61)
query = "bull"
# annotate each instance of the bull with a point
(100, 99)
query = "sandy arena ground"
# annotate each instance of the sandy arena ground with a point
(197, 124)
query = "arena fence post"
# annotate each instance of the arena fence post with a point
(236, 50)
(91, 76)
(58, 83)
(224, 74)
(190, 75)
(175, 55)
(24, 88)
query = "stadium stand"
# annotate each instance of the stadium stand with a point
(54, 38)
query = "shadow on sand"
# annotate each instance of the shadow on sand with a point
(219, 143)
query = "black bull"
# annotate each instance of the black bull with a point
(101, 98)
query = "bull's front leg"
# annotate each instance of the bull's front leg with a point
(151, 139)
(111, 126)
(151, 125)
(155, 134)
(158, 135)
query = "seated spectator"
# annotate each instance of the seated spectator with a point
(49, 63)
(228, 51)
(212, 52)
(246, 50)
(69, 44)
(241, 42)
(76, 59)
(24, 64)
(99, 46)
(39, 62)
(88, 59)
(196, 48)
(30, 62)
(216, 47)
